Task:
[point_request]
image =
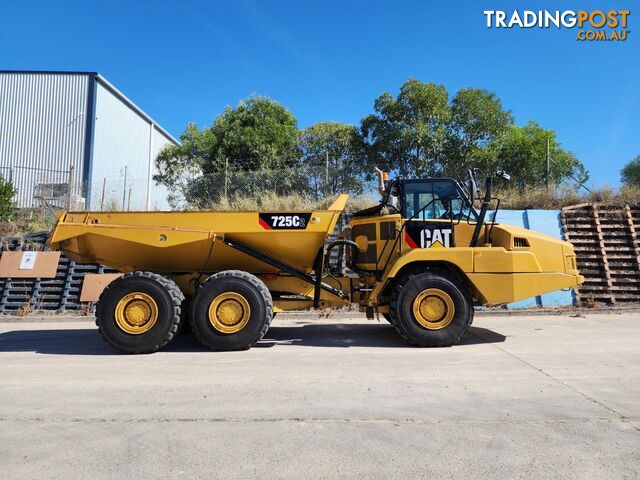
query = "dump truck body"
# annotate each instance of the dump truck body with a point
(171, 242)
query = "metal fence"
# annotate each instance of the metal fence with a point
(313, 182)
(126, 189)
(122, 189)
(39, 187)
(64, 189)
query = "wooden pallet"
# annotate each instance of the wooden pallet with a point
(62, 293)
(606, 240)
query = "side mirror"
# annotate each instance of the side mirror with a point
(502, 174)
(474, 190)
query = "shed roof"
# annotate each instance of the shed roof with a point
(109, 86)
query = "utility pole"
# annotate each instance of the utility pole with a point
(71, 169)
(124, 190)
(150, 171)
(226, 168)
(129, 201)
(326, 172)
(104, 186)
(548, 165)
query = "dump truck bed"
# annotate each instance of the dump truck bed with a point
(176, 242)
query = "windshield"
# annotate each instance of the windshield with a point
(443, 199)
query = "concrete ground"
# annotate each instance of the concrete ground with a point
(521, 397)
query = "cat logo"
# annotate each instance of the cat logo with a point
(435, 238)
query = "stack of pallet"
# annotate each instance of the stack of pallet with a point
(23, 295)
(606, 238)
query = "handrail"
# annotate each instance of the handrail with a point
(493, 220)
(399, 236)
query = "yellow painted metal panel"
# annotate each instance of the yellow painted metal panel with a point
(497, 259)
(549, 251)
(181, 241)
(460, 257)
(500, 288)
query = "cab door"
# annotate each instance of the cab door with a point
(436, 212)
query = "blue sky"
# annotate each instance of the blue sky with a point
(185, 61)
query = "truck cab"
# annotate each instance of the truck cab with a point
(431, 227)
(426, 213)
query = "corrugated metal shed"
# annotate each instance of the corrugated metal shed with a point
(51, 121)
(43, 125)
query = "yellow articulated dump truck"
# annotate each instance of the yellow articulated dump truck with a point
(422, 259)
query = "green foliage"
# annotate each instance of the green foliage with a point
(207, 189)
(257, 147)
(522, 153)
(420, 133)
(631, 173)
(258, 134)
(335, 145)
(7, 207)
(408, 133)
(477, 120)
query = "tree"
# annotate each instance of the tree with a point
(7, 207)
(332, 147)
(522, 153)
(631, 173)
(420, 133)
(259, 134)
(407, 133)
(477, 120)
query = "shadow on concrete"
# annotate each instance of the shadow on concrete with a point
(87, 341)
(357, 335)
(84, 341)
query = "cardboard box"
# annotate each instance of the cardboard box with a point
(93, 285)
(29, 264)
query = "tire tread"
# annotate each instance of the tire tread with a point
(261, 288)
(177, 298)
(399, 326)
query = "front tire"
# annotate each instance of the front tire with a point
(232, 310)
(139, 312)
(431, 309)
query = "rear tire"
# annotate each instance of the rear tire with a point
(232, 310)
(431, 309)
(139, 312)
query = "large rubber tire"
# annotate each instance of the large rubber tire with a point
(402, 315)
(184, 326)
(168, 299)
(253, 290)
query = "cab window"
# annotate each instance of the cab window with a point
(437, 199)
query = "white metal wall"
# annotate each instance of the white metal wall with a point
(159, 193)
(42, 130)
(125, 145)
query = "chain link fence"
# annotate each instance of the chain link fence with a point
(42, 187)
(124, 189)
(313, 182)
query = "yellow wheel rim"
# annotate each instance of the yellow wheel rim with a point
(433, 309)
(229, 312)
(136, 313)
